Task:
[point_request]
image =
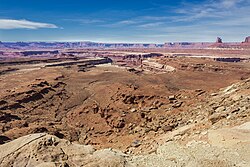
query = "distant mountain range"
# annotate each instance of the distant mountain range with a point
(61, 45)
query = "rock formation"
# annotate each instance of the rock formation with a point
(247, 40)
(219, 40)
(49, 151)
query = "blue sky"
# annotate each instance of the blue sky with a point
(143, 21)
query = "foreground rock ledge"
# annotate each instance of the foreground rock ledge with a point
(45, 150)
(223, 147)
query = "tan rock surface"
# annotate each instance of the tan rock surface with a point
(46, 150)
(232, 150)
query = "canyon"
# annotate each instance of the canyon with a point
(129, 105)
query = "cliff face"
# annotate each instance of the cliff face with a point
(247, 40)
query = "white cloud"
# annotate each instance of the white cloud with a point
(151, 25)
(203, 21)
(153, 18)
(23, 24)
(230, 3)
(139, 21)
(200, 21)
(212, 9)
(86, 21)
(121, 23)
(126, 22)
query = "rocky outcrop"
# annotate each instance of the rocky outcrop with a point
(222, 147)
(247, 40)
(230, 105)
(152, 65)
(82, 62)
(29, 53)
(219, 40)
(8, 70)
(45, 150)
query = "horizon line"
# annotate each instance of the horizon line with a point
(113, 42)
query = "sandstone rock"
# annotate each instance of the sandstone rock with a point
(172, 97)
(46, 150)
(247, 40)
(167, 128)
(4, 139)
(136, 143)
(216, 117)
(229, 137)
(118, 123)
(177, 105)
(147, 109)
(214, 94)
(133, 110)
(220, 109)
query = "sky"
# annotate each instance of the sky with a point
(133, 21)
